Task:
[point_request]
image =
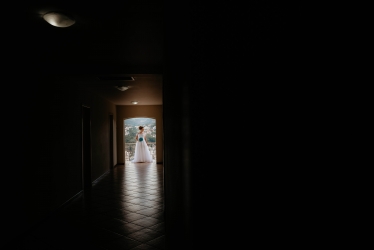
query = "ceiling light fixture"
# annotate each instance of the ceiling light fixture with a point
(122, 88)
(134, 102)
(116, 78)
(59, 19)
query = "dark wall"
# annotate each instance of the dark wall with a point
(43, 146)
(228, 72)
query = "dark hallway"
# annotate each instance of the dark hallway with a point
(225, 68)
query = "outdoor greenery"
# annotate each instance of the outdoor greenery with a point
(132, 128)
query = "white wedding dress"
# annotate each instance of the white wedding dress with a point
(142, 153)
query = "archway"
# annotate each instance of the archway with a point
(131, 128)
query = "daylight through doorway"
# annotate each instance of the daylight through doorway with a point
(131, 126)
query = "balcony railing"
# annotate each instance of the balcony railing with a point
(130, 150)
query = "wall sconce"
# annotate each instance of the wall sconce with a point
(58, 19)
(134, 102)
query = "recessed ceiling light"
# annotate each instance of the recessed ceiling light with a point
(134, 102)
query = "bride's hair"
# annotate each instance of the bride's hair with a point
(140, 127)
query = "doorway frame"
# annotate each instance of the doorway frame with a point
(124, 136)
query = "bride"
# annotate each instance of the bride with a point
(142, 153)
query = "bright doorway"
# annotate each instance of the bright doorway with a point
(131, 126)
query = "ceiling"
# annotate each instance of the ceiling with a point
(109, 40)
(146, 89)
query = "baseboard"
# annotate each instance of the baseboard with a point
(100, 177)
(70, 200)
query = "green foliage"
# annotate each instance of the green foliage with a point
(150, 138)
(130, 137)
(131, 129)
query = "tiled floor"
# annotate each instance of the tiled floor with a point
(123, 211)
